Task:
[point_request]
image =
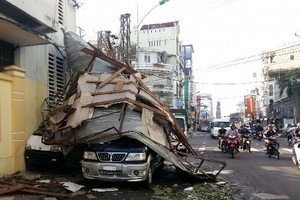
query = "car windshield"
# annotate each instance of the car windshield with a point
(181, 123)
(218, 124)
(38, 132)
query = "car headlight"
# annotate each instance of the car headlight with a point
(89, 155)
(56, 149)
(136, 157)
(28, 146)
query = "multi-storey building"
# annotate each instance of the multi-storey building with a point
(162, 38)
(32, 65)
(272, 105)
(189, 84)
(160, 76)
(204, 107)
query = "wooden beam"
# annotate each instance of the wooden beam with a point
(110, 60)
(111, 77)
(119, 85)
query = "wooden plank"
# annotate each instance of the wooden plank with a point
(11, 188)
(110, 60)
(53, 194)
(119, 85)
(112, 77)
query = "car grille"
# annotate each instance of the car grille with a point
(111, 157)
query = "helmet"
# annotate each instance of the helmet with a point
(298, 124)
(222, 125)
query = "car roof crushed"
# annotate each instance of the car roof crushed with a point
(105, 99)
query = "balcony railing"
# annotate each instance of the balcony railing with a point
(160, 89)
(156, 68)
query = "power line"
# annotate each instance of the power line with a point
(241, 83)
(245, 60)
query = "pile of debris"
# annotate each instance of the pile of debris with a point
(104, 100)
(31, 184)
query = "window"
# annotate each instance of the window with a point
(147, 58)
(6, 54)
(61, 12)
(270, 90)
(292, 57)
(55, 79)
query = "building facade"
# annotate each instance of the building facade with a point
(270, 104)
(32, 65)
(164, 39)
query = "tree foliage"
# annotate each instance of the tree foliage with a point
(288, 80)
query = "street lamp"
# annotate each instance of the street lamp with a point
(161, 2)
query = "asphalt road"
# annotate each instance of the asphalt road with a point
(259, 176)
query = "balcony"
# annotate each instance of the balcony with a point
(156, 68)
(159, 88)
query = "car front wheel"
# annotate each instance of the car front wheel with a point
(148, 182)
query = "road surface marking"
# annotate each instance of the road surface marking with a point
(286, 149)
(270, 196)
(201, 149)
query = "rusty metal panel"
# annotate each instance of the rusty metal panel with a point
(99, 114)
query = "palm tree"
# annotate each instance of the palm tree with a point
(289, 82)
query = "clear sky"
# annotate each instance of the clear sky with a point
(221, 31)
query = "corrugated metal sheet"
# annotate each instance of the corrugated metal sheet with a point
(107, 104)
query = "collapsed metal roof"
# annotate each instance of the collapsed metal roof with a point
(105, 100)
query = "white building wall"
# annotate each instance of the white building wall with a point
(163, 39)
(34, 59)
(46, 12)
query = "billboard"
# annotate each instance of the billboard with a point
(250, 105)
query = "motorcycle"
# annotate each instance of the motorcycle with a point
(290, 138)
(232, 145)
(223, 143)
(246, 142)
(273, 148)
(259, 136)
(254, 134)
(296, 153)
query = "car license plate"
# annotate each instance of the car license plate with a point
(109, 168)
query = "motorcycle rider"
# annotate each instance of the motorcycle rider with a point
(233, 131)
(242, 132)
(221, 132)
(296, 134)
(259, 128)
(268, 133)
(253, 129)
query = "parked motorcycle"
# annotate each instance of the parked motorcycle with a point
(232, 145)
(296, 153)
(273, 148)
(246, 142)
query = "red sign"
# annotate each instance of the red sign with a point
(198, 100)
